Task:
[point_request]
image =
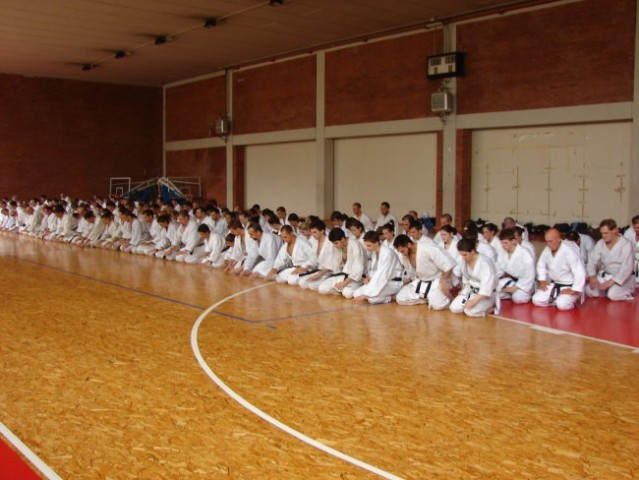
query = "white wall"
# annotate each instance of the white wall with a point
(552, 174)
(399, 169)
(282, 174)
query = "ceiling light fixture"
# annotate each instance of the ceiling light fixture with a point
(88, 66)
(162, 39)
(210, 23)
(122, 53)
(275, 3)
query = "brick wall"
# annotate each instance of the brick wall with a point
(275, 97)
(207, 163)
(381, 81)
(63, 135)
(191, 109)
(575, 54)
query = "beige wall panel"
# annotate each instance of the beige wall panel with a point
(552, 174)
(399, 169)
(281, 174)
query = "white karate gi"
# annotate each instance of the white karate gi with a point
(285, 263)
(354, 268)
(385, 278)
(615, 264)
(565, 269)
(431, 261)
(519, 271)
(327, 258)
(384, 219)
(213, 247)
(586, 246)
(366, 221)
(481, 280)
(632, 236)
(190, 243)
(261, 260)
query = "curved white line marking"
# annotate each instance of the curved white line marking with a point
(28, 453)
(252, 408)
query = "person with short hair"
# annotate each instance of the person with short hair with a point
(479, 280)
(260, 262)
(611, 265)
(189, 243)
(432, 268)
(325, 260)
(294, 252)
(517, 269)
(560, 272)
(386, 217)
(360, 216)
(384, 279)
(354, 261)
(213, 247)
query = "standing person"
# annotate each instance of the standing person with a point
(433, 269)
(354, 259)
(359, 215)
(385, 277)
(517, 281)
(560, 272)
(386, 217)
(479, 280)
(611, 265)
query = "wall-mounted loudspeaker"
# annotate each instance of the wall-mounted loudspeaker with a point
(441, 102)
(222, 127)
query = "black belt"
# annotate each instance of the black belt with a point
(308, 273)
(470, 291)
(556, 290)
(419, 286)
(396, 279)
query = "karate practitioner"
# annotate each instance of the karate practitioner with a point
(354, 259)
(213, 247)
(611, 265)
(479, 280)
(324, 260)
(189, 242)
(560, 272)
(386, 217)
(259, 263)
(362, 217)
(385, 277)
(294, 253)
(632, 234)
(517, 280)
(432, 267)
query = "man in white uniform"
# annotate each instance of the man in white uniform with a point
(295, 252)
(354, 259)
(386, 217)
(433, 270)
(324, 260)
(362, 217)
(560, 272)
(385, 277)
(259, 262)
(632, 234)
(611, 265)
(479, 279)
(517, 281)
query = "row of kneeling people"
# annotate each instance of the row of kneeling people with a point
(470, 273)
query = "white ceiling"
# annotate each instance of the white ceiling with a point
(55, 38)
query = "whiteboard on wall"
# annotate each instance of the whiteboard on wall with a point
(398, 169)
(282, 174)
(549, 175)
